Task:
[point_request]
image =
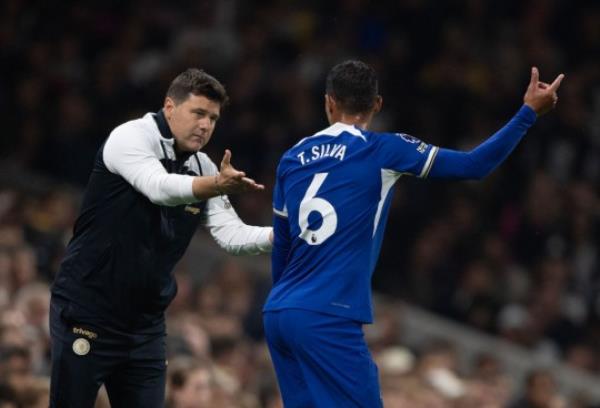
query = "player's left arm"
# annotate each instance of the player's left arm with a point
(281, 229)
(281, 245)
(482, 160)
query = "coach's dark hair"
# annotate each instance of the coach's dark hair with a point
(196, 81)
(353, 85)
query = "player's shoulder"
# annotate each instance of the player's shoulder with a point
(337, 131)
(401, 139)
(410, 139)
(336, 136)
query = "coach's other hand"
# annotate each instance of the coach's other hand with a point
(229, 180)
(540, 96)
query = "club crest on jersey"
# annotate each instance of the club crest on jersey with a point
(408, 138)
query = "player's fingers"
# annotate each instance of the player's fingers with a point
(543, 85)
(535, 76)
(554, 86)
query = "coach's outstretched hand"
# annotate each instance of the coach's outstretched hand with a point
(540, 96)
(229, 180)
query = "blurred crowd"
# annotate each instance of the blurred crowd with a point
(516, 255)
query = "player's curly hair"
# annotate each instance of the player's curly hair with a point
(197, 82)
(353, 85)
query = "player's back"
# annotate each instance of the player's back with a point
(334, 188)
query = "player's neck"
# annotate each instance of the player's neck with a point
(360, 121)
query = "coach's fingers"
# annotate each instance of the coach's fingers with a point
(227, 167)
(554, 86)
(252, 184)
(226, 161)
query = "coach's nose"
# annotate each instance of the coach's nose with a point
(204, 123)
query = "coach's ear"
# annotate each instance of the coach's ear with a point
(168, 107)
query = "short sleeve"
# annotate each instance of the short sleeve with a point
(405, 154)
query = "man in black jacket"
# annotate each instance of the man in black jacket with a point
(149, 189)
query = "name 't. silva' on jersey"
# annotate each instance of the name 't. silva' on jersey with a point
(337, 151)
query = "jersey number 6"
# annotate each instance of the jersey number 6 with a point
(311, 203)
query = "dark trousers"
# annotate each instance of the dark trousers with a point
(84, 356)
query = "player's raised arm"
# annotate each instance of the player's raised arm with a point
(482, 160)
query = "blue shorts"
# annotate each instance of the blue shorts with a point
(321, 360)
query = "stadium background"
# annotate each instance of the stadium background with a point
(515, 257)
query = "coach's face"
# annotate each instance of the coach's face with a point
(192, 121)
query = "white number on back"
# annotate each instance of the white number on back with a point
(311, 203)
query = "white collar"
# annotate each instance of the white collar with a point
(335, 130)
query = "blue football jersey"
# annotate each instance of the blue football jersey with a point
(335, 189)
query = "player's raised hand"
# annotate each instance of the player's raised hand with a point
(540, 96)
(229, 180)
